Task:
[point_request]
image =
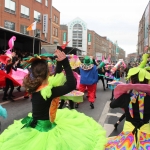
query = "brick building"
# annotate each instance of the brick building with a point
(144, 31)
(19, 14)
(63, 34)
(55, 26)
(132, 57)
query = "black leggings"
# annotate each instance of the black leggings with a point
(9, 83)
(71, 104)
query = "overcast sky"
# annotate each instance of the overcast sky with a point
(116, 19)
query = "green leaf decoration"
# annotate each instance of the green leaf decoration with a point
(142, 74)
(144, 60)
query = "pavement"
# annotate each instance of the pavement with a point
(101, 113)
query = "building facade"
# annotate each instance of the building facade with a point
(144, 32)
(18, 15)
(55, 26)
(77, 34)
(132, 57)
(89, 41)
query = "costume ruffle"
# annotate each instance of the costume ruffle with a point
(126, 140)
(73, 131)
(54, 81)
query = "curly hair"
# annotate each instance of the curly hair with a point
(135, 80)
(37, 74)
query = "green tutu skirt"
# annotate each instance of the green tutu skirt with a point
(72, 131)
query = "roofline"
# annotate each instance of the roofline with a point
(2, 28)
(56, 9)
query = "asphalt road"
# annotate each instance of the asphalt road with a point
(101, 113)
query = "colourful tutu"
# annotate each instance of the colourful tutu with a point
(126, 140)
(71, 131)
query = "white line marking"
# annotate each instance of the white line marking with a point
(109, 129)
(104, 113)
(18, 98)
(115, 114)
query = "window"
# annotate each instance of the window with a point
(56, 32)
(37, 16)
(9, 25)
(23, 29)
(77, 35)
(37, 33)
(10, 6)
(40, 1)
(24, 11)
(46, 2)
(54, 18)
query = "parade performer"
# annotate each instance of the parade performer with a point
(47, 127)
(74, 96)
(8, 81)
(89, 79)
(134, 99)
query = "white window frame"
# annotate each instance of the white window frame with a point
(9, 22)
(23, 11)
(24, 29)
(46, 3)
(10, 6)
(40, 1)
(37, 19)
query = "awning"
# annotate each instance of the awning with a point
(23, 42)
(11, 33)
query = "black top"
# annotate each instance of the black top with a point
(123, 102)
(9, 67)
(40, 107)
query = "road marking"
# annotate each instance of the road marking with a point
(109, 129)
(116, 114)
(104, 114)
(18, 98)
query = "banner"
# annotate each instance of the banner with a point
(64, 37)
(89, 37)
(45, 23)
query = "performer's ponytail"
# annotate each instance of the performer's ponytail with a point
(37, 74)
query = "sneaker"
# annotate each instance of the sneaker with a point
(92, 106)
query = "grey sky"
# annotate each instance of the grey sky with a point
(116, 19)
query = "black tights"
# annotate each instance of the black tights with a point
(9, 83)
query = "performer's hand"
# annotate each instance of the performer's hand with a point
(60, 55)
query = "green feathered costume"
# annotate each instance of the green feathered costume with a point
(140, 70)
(70, 130)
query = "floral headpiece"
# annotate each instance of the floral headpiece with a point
(142, 73)
(29, 60)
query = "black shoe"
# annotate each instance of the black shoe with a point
(4, 99)
(12, 95)
(76, 105)
(111, 99)
(92, 106)
(104, 89)
(116, 125)
(12, 100)
(26, 97)
(18, 88)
